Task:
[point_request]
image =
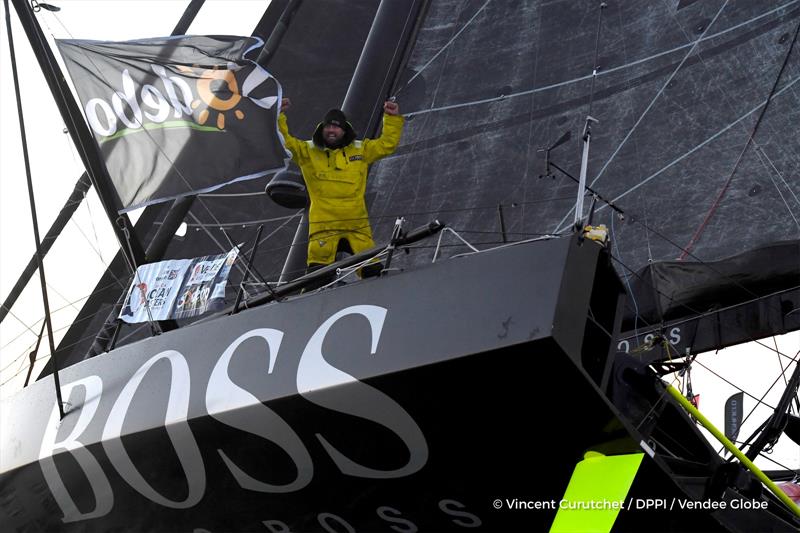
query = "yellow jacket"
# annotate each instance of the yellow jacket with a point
(336, 180)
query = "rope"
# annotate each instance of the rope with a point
(659, 93)
(459, 237)
(759, 401)
(761, 156)
(150, 137)
(604, 72)
(712, 210)
(648, 108)
(691, 310)
(626, 280)
(595, 66)
(153, 326)
(442, 49)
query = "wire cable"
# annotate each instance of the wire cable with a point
(712, 210)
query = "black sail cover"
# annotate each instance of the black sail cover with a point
(148, 101)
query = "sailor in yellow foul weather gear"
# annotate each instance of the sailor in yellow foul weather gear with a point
(335, 166)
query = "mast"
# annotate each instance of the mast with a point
(34, 218)
(81, 136)
(70, 206)
(78, 194)
(110, 281)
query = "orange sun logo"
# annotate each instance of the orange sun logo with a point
(207, 78)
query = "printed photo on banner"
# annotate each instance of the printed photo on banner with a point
(179, 288)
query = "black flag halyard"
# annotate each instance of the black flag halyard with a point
(175, 116)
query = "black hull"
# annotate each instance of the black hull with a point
(476, 391)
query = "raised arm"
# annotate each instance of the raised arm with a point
(295, 145)
(386, 144)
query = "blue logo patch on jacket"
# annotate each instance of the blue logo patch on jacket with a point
(356, 158)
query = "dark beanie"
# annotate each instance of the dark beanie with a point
(335, 117)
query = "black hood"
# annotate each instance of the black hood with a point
(337, 117)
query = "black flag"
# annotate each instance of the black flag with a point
(177, 115)
(733, 415)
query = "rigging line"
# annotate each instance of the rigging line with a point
(242, 224)
(661, 397)
(529, 145)
(602, 72)
(84, 319)
(763, 155)
(249, 268)
(647, 236)
(770, 459)
(19, 357)
(649, 106)
(71, 345)
(405, 161)
(99, 254)
(697, 314)
(23, 369)
(215, 241)
(775, 184)
(659, 93)
(496, 232)
(778, 172)
(783, 373)
(66, 300)
(345, 272)
(500, 246)
(712, 210)
(627, 281)
(595, 66)
(337, 233)
(443, 48)
(148, 135)
(137, 283)
(233, 194)
(600, 326)
(693, 150)
(276, 230)
(757, 146)
(389, 70)
(780, 363)
(94, 230)
(700, 261)
(391, 216)
(79, 145)
(759, 401)
(18, 319)
(23, 332)
(481, 243)
(288, 219)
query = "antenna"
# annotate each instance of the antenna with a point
(587, 137)
(587, 129)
